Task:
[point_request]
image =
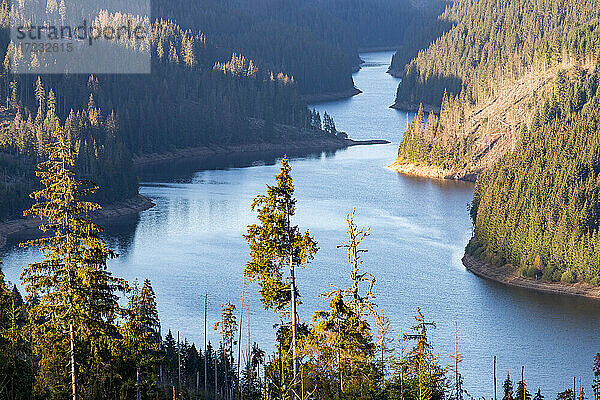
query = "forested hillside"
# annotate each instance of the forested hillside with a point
(315, 41)
(492, 43)
(472, 132)
(535, 147)
(223, 73)
(538, 208)
(191, 98)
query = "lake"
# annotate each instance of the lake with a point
(191, 243)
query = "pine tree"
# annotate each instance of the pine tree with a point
(250, 381)
(40, 94)
(427, 378)
(170, 349)
(538, 395)
(73, 319)
(361, 295)
(519, 395)
(275, 243)
(227, 327)
(141, 338)
(341, 338)
(508, 388)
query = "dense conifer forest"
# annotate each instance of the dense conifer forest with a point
(464, 134)
(315, 41)
(538, 208)
(491, 43)
(192, 98)
(223, 73)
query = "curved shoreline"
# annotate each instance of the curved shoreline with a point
(109, 212)
(510, 276)
(316, 144)
(331, 96)
(139, 203)
(414, 107)
(427, 171)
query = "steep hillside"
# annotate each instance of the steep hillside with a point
(463, 141)
(536, 203)
(538, 208)
(468, 138)
(492, 41)
(191, 98)
(316, 41)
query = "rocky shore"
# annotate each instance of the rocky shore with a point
(427, 171)
(509, 275)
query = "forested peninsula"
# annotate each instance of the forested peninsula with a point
(525, 134)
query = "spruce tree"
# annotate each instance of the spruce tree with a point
(170, 349)
(522, 392)
(227, 327)
(538, 395)
(274, 244)
(141, 339)
(341, 338)
(508, 388)
(73, 319)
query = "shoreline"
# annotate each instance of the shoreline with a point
(378, 49)
(395, 72)
(139, 203)
(333, 96)
(414, 107)
(510, 276)
(320, 144)
(109, 212)
(427, 171)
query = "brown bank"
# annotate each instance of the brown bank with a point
(428, 171)
(307, 145)
(509, 275)
(112, 211)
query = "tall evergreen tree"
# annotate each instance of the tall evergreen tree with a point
(227, 327)
(522, 393)
(342, 338)
(275, 243)
(508, 388)
(538, 395)
(73, 318)
(141, 340)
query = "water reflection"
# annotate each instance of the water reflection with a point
(184, 170)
